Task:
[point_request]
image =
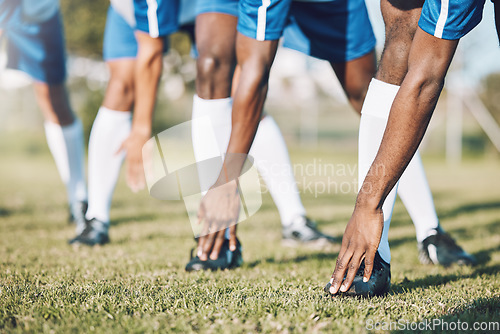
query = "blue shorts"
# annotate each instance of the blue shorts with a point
(450, 19)
(263, 19)
(34, 48)
(119, 38)
(156, 17)
(336, 31)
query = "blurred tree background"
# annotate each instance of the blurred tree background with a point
(84, 23)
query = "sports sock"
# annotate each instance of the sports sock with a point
(374, 115)
(273, 163)
(417, 197)
(66, 145)
(219, 112)
(268, 150)
(109, 130)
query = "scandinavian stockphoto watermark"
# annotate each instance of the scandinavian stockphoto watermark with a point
(175, 170)
(184, 161)
(314, 178)
(432, 325)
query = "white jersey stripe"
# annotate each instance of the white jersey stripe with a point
(154, 30)
(443, 16)
(261, 20)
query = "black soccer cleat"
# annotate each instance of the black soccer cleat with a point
(303, 231)
(378, 284)
(441, 249)
(94, 233)
(227, 259)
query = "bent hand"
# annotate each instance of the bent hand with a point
(134, 170)
(219, 210)
(360, 242)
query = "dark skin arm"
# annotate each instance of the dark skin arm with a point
(411, 111)
(218, 205)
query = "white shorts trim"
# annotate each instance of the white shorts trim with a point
(262, 20)
(443, 16)
(154, 30)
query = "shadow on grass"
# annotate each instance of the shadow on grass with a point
(482, 312)
(437, 280)
(320, 256)
(469, 208)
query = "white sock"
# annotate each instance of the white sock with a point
(219, 112)
(374, 115)
(66, 145)
(268, 150)
(273, 163)
(109, 130)
(417, 198)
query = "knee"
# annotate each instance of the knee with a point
(123, 91)
(122, 87)
(210, 66)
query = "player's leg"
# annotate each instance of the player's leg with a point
(64, 135)
(216, 60)
(341, 33)
(401, 20)
(38, 49)
(111, 127)
(355, 76)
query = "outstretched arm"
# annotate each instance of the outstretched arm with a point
(220, 207)
(147, 75)
(411, 112)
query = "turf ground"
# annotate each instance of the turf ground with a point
(138, 283)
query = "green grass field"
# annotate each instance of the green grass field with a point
(138, 283)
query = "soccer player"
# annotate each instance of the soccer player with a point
(134, 43)
(397, 109)
(35, 45)
(350, 50)
(215, 40)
